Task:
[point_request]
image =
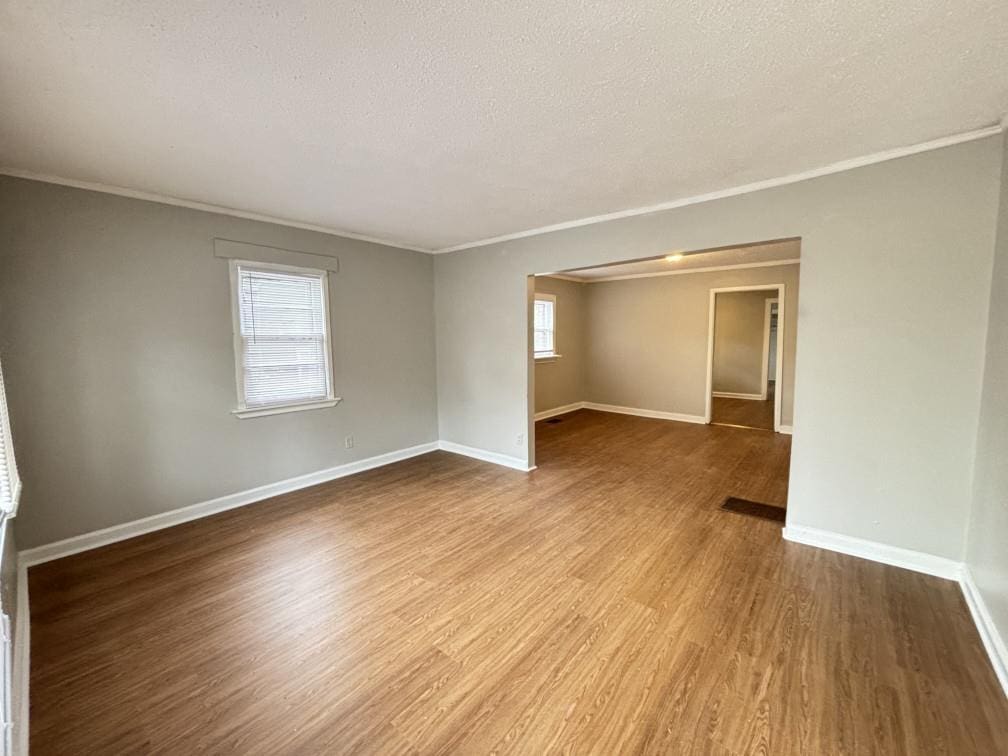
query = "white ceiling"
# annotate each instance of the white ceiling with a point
(440, 122)
(747, 256)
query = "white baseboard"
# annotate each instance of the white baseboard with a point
(22, 651)
(732, 395)
(918, 561)
(989, 635)
(657, 414)
(116, 533)
(515, 463)
(786, 429)
(558, 411)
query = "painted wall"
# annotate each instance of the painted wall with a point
(561, 381)
(987, 546)
(647, 338)
(875, 456)
(739, 320)
(115, 331)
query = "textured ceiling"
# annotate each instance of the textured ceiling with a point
(440, 122)
(788, 249)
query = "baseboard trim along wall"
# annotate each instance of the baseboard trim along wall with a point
(656, 414)
(515, 463)
(558, 411)
(989, 636)
(908, 559)
(116, 533)
(917, 561)
(732, 395)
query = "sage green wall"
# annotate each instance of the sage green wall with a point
(115, 331)
(987, 546)
(887, 385)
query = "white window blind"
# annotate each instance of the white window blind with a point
(543, 325)
(10, 483)
(281, 338)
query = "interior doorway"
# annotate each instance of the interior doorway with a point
(632, 338)
(745, 357)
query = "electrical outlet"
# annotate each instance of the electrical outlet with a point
(349, 442)
(521, 439)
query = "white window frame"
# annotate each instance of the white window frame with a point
(14, 480)
(545, 356)
(243, 410)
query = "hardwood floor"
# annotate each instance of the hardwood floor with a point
(750, 413)
(601, 604)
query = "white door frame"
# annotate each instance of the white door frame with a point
(779, 288)
(767, 318)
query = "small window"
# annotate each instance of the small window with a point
(544, 326)
(281, 326)
(10, 483)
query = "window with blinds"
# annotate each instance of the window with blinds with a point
(544, 325)
(10, 483)
(281, 336)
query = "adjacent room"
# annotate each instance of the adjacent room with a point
(418, 378)
(657, 337)
(680, 338)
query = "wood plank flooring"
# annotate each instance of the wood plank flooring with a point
(601, 604)
(751, 413)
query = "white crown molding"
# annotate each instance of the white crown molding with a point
(688, 271)
(839, 167)
(165, 199)
(562, 277)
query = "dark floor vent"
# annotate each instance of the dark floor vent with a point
(754, 509)
(555, 420)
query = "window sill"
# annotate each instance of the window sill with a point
(547, 357)
(283, 408)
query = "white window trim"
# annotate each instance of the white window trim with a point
(555, 354)
(12, 469)
(244, 411)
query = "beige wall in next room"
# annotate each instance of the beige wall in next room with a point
(644, 340)
(738, 341)
(560, 381)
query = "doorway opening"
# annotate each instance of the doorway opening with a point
(745, 360)
(636, 338)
